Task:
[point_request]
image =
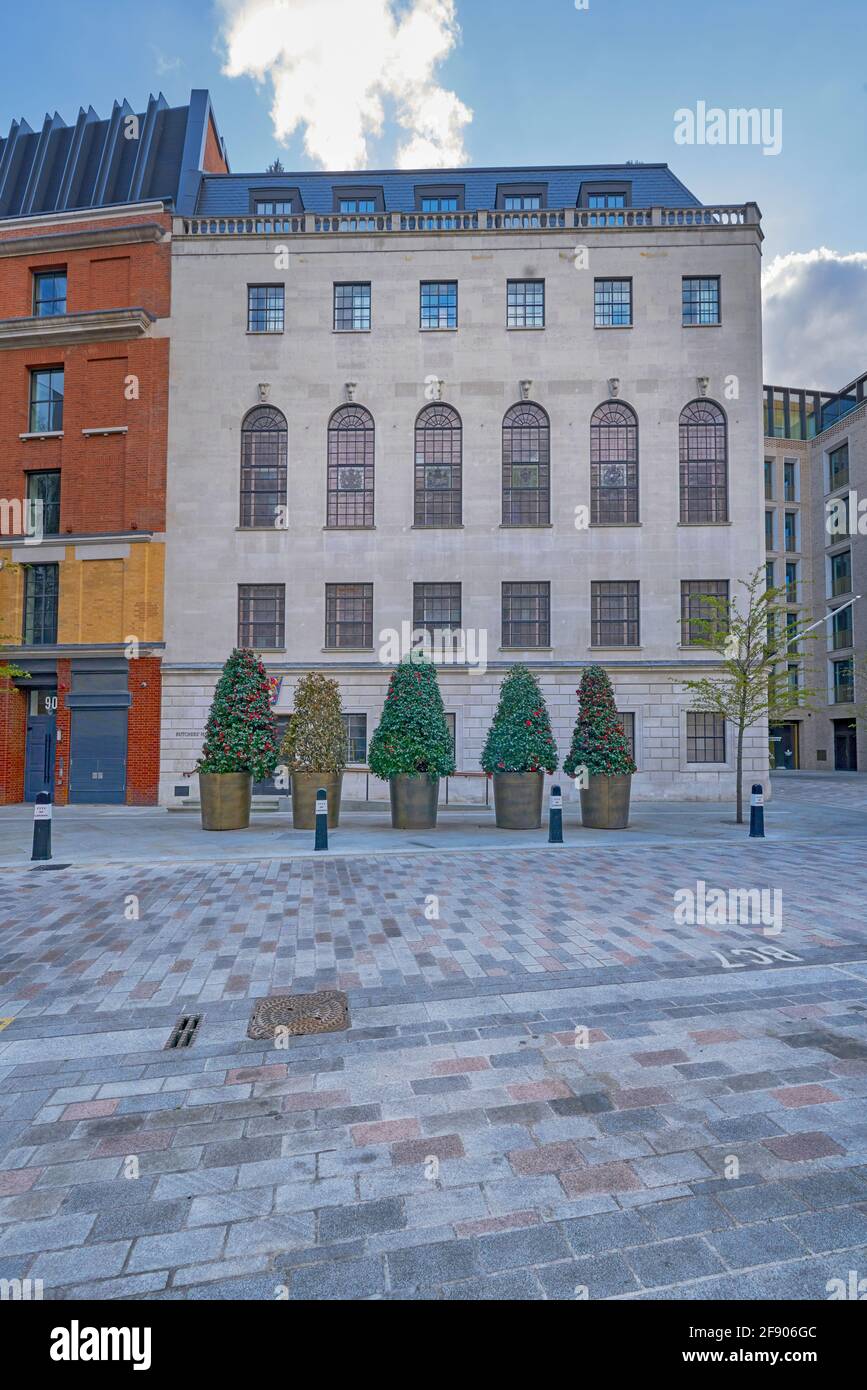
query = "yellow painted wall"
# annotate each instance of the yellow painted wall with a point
(100, 600)
(11, 601)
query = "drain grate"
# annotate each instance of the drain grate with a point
(299, 1014)
(185, 1031)
(47, 868)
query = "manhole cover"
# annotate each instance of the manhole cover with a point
(326, 1012)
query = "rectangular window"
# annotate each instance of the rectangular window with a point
(41, 583)
(695, 609)
(46, 400)
(436, 608)
(439, 204)
(352, 307)
(350, 205)
(769, 575)
(525, 304)
(791, 632)
(793, 677)
(790, 480)
(49, 293)
(612, 303)
(356, 738)
(523, 202)
(791, 581)
(269, 207)
(261, 616)
(841, 629)
(701, 300)
(348, 616)
(527, 615)
(439, 303)
(791, 531)
(838, 467)
(705, 738)
(614, 613)
(844, 681)
(265, 308)
(769, 531)
(628, 722)
(44, 488)
(841, 573)
(769, 480)
(606, 200)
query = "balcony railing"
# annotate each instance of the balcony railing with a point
(483, 220)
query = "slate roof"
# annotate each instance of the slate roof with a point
(653, 185)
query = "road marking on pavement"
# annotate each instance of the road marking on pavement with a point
(4, 1022)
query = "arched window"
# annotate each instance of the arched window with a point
(613, 464)
(350, 467)
(703, 463)
(526, 466)
(438, 447)
(264, 444)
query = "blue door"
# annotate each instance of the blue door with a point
(97, 765)
(39, 756)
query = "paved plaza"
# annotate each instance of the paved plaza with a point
(565, 1077)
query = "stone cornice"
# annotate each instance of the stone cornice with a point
(132, 233)
(98, 326)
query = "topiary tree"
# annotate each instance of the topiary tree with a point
(315, 740)
(241, 733)
(520, 737)
(412, 736)
(598, 742)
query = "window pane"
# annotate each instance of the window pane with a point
(613, 465)
(264, 445)
(838, 467)
(349, 615)
(695, 609)
(525, 304)
(436, 607)
(40, 604)
(49, 294)
(527, 615)
(526, 466)
(701, 300)
(438, 470)
(613, 303)
(46, 400)
(352, 308)
(356, 738)
(261, 614)
(614, 613)
(265, 309)
(351, 467)
(705, 738)
(439, 304)
(44, 489)
(703, 464)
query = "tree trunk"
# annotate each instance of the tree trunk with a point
(740, 775)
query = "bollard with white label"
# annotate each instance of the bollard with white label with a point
(757, 812)
(321, 819)
(42, 827)
(555, 817)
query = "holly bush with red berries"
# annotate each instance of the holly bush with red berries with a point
(520, 738)
(412, 736)
(598, 743)
(241, 732)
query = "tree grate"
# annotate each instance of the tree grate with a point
(185, 1031)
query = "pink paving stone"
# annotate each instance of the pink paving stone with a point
(110, 978)
(18, 1180)
(603, 1177)
(539, 1090)
(149, 1141)
(792, 1096)
(488, 1224)
(238, 1075)
(717, 1035)
(181, 967)
(665, 1058)
(144, 990)
(89, 1109)
(547, 1158)
(384, 1132)
(624, 957)
(419, 1150)
(802, 1011)
(453, 1066)
(797, 1148)
(640, 1096)
(314, 1100)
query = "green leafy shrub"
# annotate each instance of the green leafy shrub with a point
(241, 733)
(412, 736)
(520, 737)
(598, 743)
(315, 740)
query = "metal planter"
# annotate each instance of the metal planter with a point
(225, 800)
(414, 802)
(605, 802)
(304, 788)
(518, 800)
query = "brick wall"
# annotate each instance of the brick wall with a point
(13, 729)
(143, 749)
(64, 727)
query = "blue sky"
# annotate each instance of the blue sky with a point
(546, 83)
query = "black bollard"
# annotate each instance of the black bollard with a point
(42, 827)
(321, 819)
(757, 812)
(555, 817)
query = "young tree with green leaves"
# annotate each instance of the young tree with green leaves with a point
(756, 639)
(315, 740)
(599, 743)
(241, 732)
(412, 737)
(520, 737)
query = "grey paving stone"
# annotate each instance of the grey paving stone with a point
(685, 1217)
(514, 1287)
(51, 1234)
(277, 1233)
(180, 1248)
(364, 1218)
(241, 1204)
(81, 1264)
(146, 1218)
(603, 1276)
(830, 1230)
(338, 1280)
(762, 1203)
(534, 1245)
(429, 1266)
(672, 1262)
(756, 1245)
(590, 1235)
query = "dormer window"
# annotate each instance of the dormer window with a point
(439, 204)
(350, 205)
(522, 202)
(607, 200)
(276, 202)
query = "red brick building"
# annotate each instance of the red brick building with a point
(85, 299)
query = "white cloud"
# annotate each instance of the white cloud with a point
(815, 310)
(335, 64)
